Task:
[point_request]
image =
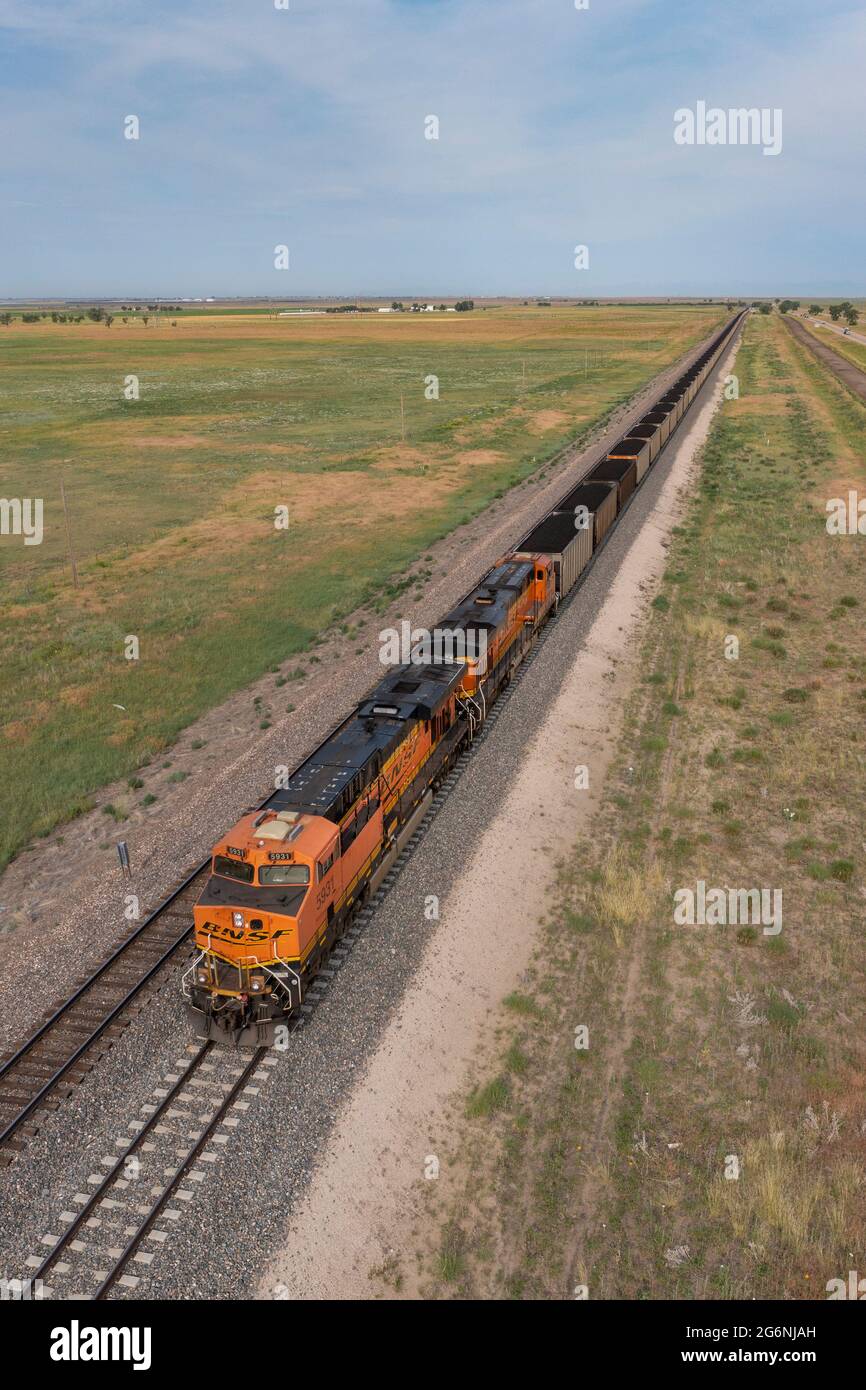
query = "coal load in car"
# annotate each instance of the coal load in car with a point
(569, 545)
(597, 500)
(648, 434)
(659, 419)
(635, 448)
(623, 472)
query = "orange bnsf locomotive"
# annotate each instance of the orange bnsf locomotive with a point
(287, 880)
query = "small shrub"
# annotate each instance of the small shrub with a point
(784, 719)
(783, 1014)
(843, 869)
(522, 1004)
(488, 1100)
(747, 755)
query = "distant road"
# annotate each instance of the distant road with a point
(842, 367)
(834, 328)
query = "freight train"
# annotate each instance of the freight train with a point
(289, 877)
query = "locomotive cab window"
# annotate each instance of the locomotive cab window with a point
(232, 868)
(298, 875)
(326, 865)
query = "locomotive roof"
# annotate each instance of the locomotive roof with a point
(487, 606)
(407, 695)
(413, 691)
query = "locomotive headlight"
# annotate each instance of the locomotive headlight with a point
(257, 983)
(201, 976)
(238, 919)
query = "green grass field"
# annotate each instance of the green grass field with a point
(172, 499)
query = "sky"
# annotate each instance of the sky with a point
(305, 127)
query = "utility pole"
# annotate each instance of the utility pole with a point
(69, 534)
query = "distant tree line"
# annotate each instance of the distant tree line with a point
(96, 314)
(844, 311)
(31, 317)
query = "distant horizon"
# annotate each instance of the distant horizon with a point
(428, 297)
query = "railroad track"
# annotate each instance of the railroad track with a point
(114, 1231)
(108, 1233)
(72, 1036)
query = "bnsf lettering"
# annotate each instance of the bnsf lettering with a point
(244, 934)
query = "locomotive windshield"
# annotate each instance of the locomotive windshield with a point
(233, 868)
(296, 874)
